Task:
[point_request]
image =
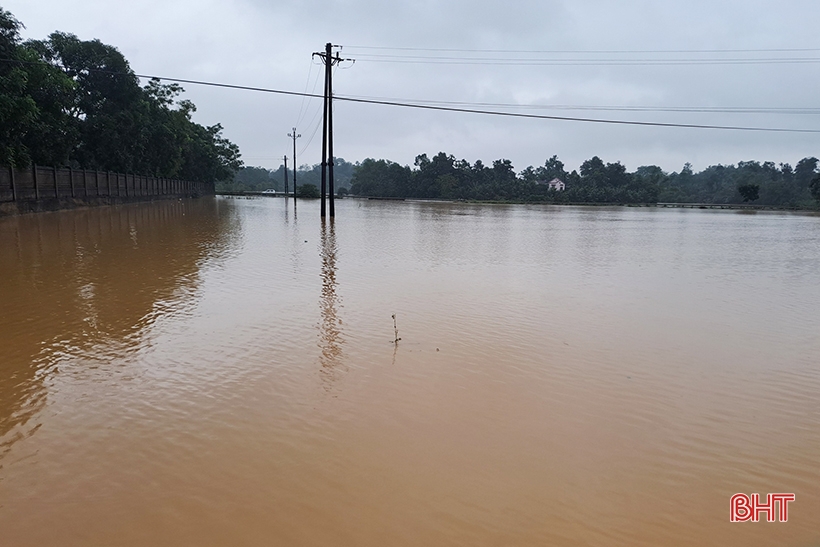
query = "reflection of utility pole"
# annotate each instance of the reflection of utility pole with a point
(286, 176)
(295, 165)
(327, 128)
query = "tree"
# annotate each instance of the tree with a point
(18, 111)
(805, 171)
(34, 97)
(749, 192)
(593, 172)
(554, 169)
(814, 187)
(307, 191)
(65, 101)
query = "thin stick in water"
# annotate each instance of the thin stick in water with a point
(395, 330)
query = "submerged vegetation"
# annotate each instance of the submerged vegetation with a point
(444, 177)
(69, 102)
(256, 179)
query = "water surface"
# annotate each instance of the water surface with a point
(223, 372)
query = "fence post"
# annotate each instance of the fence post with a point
(97, 181)
(13, 187)
(56, 189)
(71, 180)
(108, 182)
(36, 186)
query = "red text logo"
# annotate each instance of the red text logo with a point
(748, 508)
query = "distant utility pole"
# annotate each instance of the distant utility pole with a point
(327, 128)
(295, 165)
(286, 176)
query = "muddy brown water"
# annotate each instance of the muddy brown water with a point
(223, 372)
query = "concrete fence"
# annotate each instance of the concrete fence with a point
(46, 188)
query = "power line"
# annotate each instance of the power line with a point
(588, 51)
(318, 122)
(517, 61)
(683, 109)
(486, 112)
(464, 110)
(315, 126)
(302, 105)
(576, 119)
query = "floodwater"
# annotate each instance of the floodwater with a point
(223, 372)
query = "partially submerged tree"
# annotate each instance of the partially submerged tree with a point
(68, 101)
(749, 192)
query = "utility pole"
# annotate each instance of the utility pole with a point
(327, 128)
(295, 165)
(326, 60)
(330, 142)
(286, 176)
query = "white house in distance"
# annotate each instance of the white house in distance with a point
(557, 184)
(554, 184)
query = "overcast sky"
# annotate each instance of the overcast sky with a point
(267, 43)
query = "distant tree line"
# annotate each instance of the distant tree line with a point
(69, 102)
(256, 179)
(444, 177)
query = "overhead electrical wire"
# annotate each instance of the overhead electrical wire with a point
(581, 57)
(589, 51)
(318, 122)
(486, 112)
(302, 105)
(510, 61)
(680, 109)
(465, 110)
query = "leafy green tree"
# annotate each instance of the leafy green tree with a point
(65, 101)
(814, 187)
(749, 192)
(554, 169)
(805, 171)
(593, 172)
(308, 191)
(34, 97)
(18, 110)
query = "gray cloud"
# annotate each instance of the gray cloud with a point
(260, 43)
